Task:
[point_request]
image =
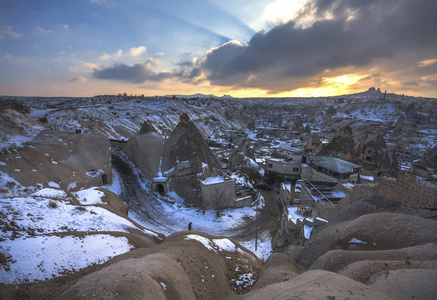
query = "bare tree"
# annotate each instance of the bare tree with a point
(219, 201)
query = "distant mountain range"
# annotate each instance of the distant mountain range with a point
(199, 95)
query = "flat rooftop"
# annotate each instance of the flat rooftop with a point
(334, 164)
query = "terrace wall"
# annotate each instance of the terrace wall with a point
(406, 189)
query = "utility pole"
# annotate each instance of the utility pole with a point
(256, 224)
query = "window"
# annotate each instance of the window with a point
(269, 166)
(295, 169)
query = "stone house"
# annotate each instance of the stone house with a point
(235, 136)
(217, 192)
(289, 193)
(342, 145)
(271, 132)
(313, 146)
(374, 155)
(422, 171)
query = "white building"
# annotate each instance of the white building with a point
(218, 192)
(287, 169)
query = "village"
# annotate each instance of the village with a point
(281, 170)
(299, 156)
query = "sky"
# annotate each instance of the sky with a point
(242, 48)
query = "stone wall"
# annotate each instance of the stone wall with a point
(118, 144)
(243, 202)
(415, 193)
(305, 197)
(406, 189)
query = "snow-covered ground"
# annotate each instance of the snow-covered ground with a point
(381, 113)
(262, 247)
(173, 217)
(49, 211)
(34, 251)
(206, 222)
(39, 258)
(30, 243)
(209, 223)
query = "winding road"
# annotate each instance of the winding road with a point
(155, 214)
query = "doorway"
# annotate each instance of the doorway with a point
(160, 188)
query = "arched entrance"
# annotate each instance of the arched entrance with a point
(160, 188)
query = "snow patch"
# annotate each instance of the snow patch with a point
(116, 183)
(307, 231)
(213, 180)
(54, 185)
(94, 173)
(44, 257)
(244, 280)
(31, 214)
(90, 196)
(225, 245)
(357, 241)
(205, 241)
(51, 193)
(72, 185)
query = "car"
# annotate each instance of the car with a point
(263, 186)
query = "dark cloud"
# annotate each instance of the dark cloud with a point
(359, 33)
(185, 63)
(386, 39)
(137, 73)
(188, 72)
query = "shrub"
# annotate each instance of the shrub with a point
(53, 204)
(2, 258)
(80, 208)
(10, 184)
(43, 119)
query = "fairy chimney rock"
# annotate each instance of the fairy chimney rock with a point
(186, 149)
(184, 118)
(146, 128)
(342, 145)
(345, 131)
